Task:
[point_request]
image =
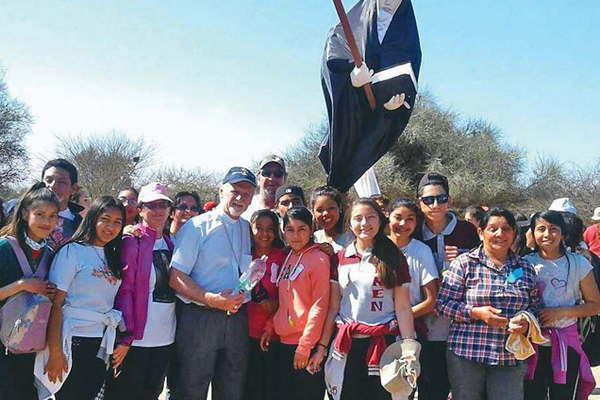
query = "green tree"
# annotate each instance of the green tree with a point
(15, 124)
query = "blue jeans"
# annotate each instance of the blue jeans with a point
(471, 380)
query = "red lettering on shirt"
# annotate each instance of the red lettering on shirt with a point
(377, 293)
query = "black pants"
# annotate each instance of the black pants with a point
(262, 373)
(88, 371)
(358, 384)
(16, 376)
(543, 383)
(212, 348)
(142, 374)
(433, 383)
(297, 384)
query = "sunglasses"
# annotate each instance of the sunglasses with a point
(158, 205)
(185, 207)
(440, 199)
(293, 202)
(269, 173)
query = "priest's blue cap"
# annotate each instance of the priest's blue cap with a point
(239, 174)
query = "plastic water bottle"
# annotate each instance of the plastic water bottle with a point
(250, 278)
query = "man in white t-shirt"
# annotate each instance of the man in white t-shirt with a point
(212, 251)
(271, 176)
(61, 177)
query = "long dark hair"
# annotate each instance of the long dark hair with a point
(553, 217)
(278, 242)
(412, 206)
(17, 225)
(86, 233)
(390, 257)
(334, 195)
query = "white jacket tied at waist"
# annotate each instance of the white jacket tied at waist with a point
(75, 318)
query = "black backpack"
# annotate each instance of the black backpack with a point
(589, 327)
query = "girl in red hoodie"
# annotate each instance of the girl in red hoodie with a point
(266, 240)
(303, 285)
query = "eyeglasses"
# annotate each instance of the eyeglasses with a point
(185, 207)
(270, 173)
(128, 202)
(156, 205)
(440, 199)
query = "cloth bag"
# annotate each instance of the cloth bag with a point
(24, 316)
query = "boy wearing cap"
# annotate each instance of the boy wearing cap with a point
(213, 250)
(271, 176)
(61, 177)
(591, 236)
(447, 237)
(288, 197)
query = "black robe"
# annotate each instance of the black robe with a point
(358, 136)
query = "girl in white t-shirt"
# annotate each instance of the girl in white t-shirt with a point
(564, 278)
(328, 209)
(404, 218)
(87, 275)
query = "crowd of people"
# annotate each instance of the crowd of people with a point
(143, 294)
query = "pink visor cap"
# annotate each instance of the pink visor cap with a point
(152, 192)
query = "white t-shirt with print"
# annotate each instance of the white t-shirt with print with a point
(558, 289)
(421, 266)
(160, 323)
(341, 242)
(81, 271)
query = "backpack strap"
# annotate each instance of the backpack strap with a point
(21, 258)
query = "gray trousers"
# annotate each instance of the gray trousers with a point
(211, 347)
(470, 380)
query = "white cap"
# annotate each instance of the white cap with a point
(563, 204)
(596, 216)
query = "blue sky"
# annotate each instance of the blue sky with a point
(212, 84)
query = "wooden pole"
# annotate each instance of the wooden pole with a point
(358, 60)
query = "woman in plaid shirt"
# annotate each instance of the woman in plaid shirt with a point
(481, 292)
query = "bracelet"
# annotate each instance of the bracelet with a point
(321, 344)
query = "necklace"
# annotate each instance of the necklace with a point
(287, 268)
(237, 256)
(100, 255)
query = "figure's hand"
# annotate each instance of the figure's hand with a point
(132, 230)
(265, 341)
(38, 286)
(56, 367)
(300, 361)
(396, 102)
(226, 301)
(315, 361)
(549, 315)
(119, 355)
(490, 316)
(451, 253)
(361, 76)
(518, 325)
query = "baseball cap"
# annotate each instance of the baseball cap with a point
(283, 190)
(563, 204)
(596, 216)
(433, 178)
(239, 174)
(152, 192)
(272, 158)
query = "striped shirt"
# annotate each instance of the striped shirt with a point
(472, 280)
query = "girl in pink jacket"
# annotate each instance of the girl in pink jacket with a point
(303, 286)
